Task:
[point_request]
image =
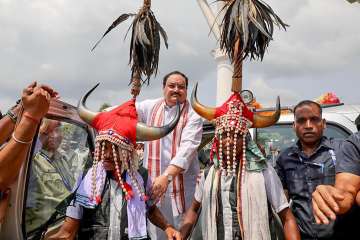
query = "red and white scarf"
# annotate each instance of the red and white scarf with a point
(177, 194)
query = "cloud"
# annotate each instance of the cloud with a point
(50, 41)
(266, 94)
(185, 50)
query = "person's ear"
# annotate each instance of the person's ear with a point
(324, 122)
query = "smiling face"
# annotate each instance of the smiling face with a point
(309, 124)
(175, 89)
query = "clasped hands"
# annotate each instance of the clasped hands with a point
(36, 100)
(326, 203)
(159, 188)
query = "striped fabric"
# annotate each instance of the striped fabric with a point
(177, 187)
(219, 215)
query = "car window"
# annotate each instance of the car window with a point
(57, 164)
(272, 140)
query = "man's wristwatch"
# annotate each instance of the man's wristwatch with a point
(168, 176)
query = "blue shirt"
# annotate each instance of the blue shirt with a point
(301, 174)
(350, 154)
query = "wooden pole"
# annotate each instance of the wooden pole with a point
(237, 75)
(147, 3)
(135, 84)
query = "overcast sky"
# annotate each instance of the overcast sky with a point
(50, 41)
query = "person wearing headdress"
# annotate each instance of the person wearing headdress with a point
(126, 197)
(171, 161)
(112, 201)
(236, 192)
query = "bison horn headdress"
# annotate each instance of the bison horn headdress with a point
(143, 132)
(247, 29)
(120, 126)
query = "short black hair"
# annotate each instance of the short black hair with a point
(173, 73)
(307, 103)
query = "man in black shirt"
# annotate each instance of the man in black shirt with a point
(307, 164)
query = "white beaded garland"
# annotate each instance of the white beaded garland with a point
(122, 151)
(235, 125)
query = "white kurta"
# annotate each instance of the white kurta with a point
(186, 156)
(271, 187)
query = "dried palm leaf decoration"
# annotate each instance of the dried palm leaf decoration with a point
(251, 21)
(144, 44)
(247, 29)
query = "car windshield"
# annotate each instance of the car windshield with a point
(57, 164)
(272, 140)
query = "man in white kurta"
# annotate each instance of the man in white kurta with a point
(172, 161)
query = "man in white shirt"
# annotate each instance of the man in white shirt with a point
(172, 161)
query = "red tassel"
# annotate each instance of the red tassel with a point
(98, 199)
(127, 187)
(214, 149)
(129, 191)
(127, 197)
(145, 198)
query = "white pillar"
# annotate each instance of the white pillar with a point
(224, 76)
(224, 68)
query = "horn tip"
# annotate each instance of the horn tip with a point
(195, 87)
(96, 85)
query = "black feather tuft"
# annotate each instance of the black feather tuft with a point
(144, 43)
(253, 22)
(119, 20)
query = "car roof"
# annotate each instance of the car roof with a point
(63, 110)
(342, 115)
(351, 111)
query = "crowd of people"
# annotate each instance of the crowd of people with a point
(313, 187)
